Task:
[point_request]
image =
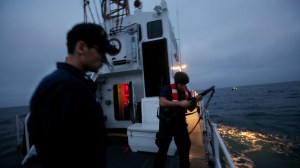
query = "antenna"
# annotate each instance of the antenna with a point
(179, 46)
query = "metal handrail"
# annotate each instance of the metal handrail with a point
(30, 150)
(19, 126)
(212, 139)
(218, 140)
(26, 133)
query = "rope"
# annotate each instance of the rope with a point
(97, 11)
(87, 4)
(84, 9)
(206, 105)
(91, 12)
(194, 126)
(190, 113)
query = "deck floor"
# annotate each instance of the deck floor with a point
(197, 152)
(120, 155)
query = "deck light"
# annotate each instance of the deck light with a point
(180, 67)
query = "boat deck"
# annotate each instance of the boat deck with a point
(120, 155)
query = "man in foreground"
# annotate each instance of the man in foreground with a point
(66, 123)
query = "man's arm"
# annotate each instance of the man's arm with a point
(163, 102)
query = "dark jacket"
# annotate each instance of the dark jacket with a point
(66, 123)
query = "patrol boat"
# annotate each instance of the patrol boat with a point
(129, 86)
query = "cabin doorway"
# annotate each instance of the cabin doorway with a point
(156, 66)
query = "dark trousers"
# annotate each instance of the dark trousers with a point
(167, 130)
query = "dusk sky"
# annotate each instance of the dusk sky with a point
(224, 43)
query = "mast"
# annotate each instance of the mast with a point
(115, 10)
(111, 10)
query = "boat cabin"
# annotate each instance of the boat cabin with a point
(147, 51)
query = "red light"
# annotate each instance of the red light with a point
(125, 94)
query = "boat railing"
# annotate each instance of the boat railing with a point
(30, 150)
(19, 127)
(26, 133)
(213, 141)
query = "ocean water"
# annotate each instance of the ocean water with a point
(10, 151)
(260, 125)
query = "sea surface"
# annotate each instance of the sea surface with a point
(260, 125)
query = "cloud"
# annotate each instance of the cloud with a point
(224, 43)
(241, 43)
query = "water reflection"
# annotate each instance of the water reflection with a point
(245, 144)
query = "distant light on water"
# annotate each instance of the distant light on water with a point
(246, 146)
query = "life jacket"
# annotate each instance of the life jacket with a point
(175, 93)
(175, 99)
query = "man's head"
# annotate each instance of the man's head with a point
(181, 79)
(89, 43)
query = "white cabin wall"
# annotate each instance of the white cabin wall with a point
(172, 44)
(131, 71)
(105, 95)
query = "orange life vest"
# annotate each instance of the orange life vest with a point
(175, 93)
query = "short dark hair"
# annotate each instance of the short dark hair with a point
(92, 34)
(181, 77)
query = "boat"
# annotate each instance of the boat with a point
(129, 86)
(234, 88)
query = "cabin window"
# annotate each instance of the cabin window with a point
(121, 101)
(154, 29)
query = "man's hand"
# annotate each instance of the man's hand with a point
(185, 103)
(198, 98)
